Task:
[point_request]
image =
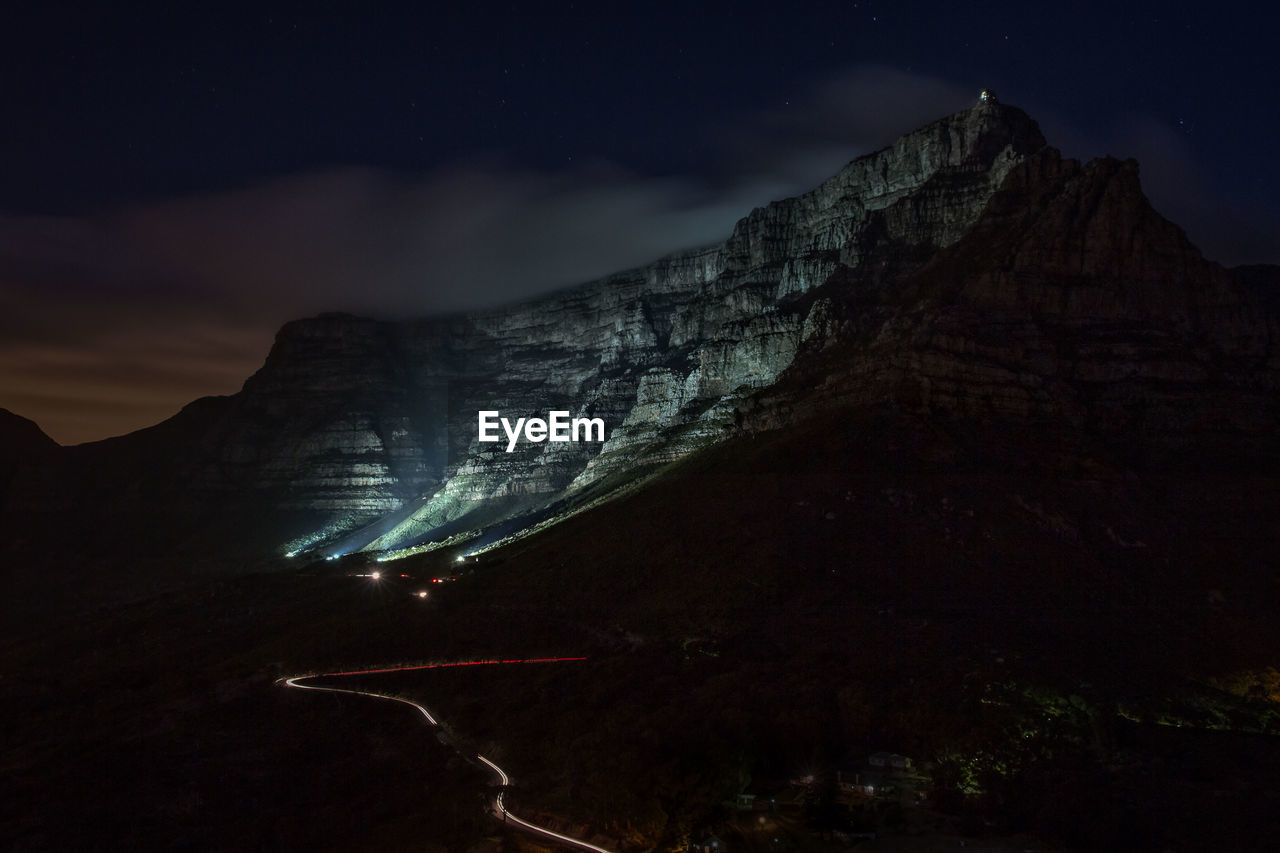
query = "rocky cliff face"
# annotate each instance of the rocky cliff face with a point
(1070, 301)
(966, 268)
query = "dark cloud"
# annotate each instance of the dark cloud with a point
(482, 233)
(861, 110)
(458, 238)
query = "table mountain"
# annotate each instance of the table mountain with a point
(967, 271)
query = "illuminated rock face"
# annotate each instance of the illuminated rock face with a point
(361, 418)
(966, 269)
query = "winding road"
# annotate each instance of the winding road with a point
(500, 811)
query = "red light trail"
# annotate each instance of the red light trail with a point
(436, 666)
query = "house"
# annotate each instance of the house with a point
(889, 760)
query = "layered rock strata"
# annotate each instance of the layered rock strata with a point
(965, 269)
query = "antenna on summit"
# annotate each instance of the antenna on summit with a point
(988, 96)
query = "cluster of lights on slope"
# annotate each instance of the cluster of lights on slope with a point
(377, 576)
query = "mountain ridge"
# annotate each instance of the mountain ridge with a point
(1048, 330)
(359, 433)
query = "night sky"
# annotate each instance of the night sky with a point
(180, 181)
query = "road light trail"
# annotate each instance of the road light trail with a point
(436, 666)
(293, 682)
(499, 807)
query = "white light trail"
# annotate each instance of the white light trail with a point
(500, 809)
(540, 830)
(292, 682)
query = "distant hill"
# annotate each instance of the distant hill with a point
(21, 440)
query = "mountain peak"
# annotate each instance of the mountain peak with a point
(968, 232)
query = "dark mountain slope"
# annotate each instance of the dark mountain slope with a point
(878, 578)
(1070, 302)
